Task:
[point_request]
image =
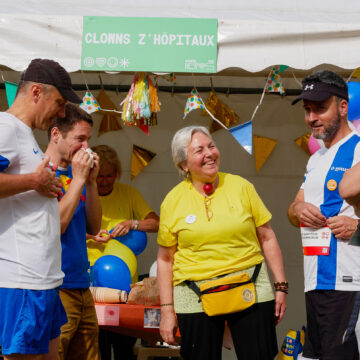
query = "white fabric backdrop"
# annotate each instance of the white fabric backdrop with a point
(252, 35)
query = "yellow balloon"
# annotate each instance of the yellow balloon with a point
(94, 250)
(114, 247)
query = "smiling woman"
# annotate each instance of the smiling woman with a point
(214, 225)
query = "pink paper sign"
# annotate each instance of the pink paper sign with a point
(108, 314)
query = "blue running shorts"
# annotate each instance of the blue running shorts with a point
(29, 320)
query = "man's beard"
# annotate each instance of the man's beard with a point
(330, 130)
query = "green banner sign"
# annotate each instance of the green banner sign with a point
(149, 44)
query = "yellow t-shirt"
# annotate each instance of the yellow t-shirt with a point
(123, 203)
(224, 244)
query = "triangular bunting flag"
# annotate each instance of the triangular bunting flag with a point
(89, 104)
(193, 102)
(220, 111)
(171, 77)
(243, 135)
(282, 68)
(274, 83)
(302, 142)
(109, 121)
(105, 103)
(214, 127)
(144, 128)
(11, 90)
(263, 147)
(140, 158)
(356, 73)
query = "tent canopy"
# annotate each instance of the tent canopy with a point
(252, 36)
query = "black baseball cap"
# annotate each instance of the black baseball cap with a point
(45, 71)
(320, 91)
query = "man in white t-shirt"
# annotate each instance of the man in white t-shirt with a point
(31, 312)
(331, 264)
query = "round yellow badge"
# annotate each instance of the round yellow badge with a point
(331, 185)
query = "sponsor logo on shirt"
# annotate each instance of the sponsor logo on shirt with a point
(338, 168)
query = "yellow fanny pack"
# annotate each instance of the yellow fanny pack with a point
(227, 295)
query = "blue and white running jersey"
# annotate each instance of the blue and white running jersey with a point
(340, 270)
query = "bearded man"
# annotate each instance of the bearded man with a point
(331, 264)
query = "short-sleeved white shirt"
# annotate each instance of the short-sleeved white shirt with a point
(30, 248)
(341, 269)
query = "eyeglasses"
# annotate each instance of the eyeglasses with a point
(207, 203)
(109, 177)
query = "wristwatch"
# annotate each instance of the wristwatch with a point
(136, 224)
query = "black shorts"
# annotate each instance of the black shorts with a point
(325, 311)
(252, 330)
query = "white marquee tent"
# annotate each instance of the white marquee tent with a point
(252, 35)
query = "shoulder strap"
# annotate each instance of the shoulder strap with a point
(193, 287)
(256, 272)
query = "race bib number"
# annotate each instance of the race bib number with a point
(315, 241)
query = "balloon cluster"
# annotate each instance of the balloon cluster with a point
(353, 115)
(135, 240)
(354, 104)
(111, 271)
(117, 269)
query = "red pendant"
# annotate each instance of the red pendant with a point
(208, 188)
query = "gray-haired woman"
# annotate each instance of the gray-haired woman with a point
(214, 224)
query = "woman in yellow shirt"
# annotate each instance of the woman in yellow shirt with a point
(214, 224)
(123, 209)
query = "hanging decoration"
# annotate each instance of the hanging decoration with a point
(355, 74)
(263, 147)
(274, 83)
(282, 68)
(140, 158)
(243, 135)
(221, 111)
(144, 128)
(141, 104)
(109, 121)
(170, 77)
(302, 142)
(90, 104)
(11, 90)
(193, 102)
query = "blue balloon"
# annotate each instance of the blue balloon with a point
(111, 271)
(354, 100)
(135, 240)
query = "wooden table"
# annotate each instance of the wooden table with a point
(127, 320)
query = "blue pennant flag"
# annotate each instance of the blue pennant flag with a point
(11, 90)
(243, 135)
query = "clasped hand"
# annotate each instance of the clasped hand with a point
(341, 226)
